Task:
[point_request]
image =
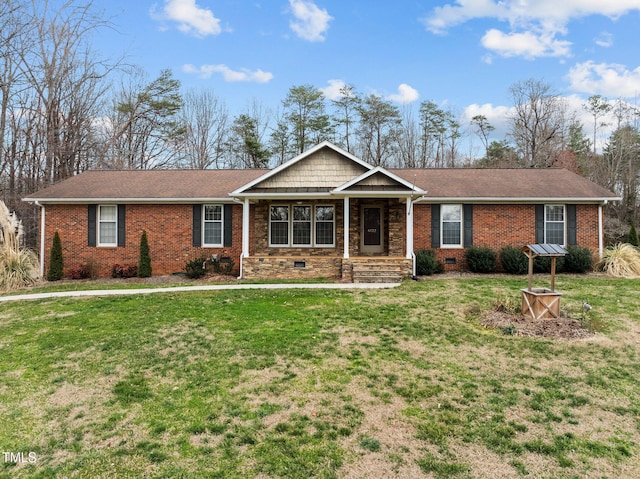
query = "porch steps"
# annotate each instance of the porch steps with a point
(377, 272)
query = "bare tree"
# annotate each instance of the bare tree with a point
(538, 122)
(599, 107)
(346, 107)
(204, 117)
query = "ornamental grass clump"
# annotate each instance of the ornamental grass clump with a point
(18, 266)
(621, 260)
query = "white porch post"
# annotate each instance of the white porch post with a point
(409, 229)
(346, 227)
(245, 228)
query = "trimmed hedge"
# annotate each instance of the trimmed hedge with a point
(578, 260)
(481, 259)
(427, 264)
(513, 260)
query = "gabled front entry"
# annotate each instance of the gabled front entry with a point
(372, 230)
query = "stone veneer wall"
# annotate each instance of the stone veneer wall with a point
(283, 267)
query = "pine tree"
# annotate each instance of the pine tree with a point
(55, 260)
(144, 265)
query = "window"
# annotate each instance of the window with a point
(279, 226)
(451, 226)
(302, 225)
(107, 225)
(554, 224)
(212, 227)
(325, 226)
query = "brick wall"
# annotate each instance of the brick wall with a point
(169, 232)
(497, 226)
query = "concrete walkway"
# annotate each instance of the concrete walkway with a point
(211, 287)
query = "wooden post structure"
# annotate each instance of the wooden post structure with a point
(542, 302)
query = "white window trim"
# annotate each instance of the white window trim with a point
(452, 246)
(564, 222)
(311, 222)
(99, 224)
(221, 221)
(333, 221)
(291, 221)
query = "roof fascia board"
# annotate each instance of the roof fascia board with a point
(45, 201)
(449, 199)
(295, 160)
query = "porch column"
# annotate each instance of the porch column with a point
(409, 229)
(346, 227)
(245, 228)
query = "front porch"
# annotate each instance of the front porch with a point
(377, 269)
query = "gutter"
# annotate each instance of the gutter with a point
(42, 236)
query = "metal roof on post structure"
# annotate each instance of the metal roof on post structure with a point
(544, 249)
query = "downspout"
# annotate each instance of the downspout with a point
(42, 225)
(245, 234)
(600, 231)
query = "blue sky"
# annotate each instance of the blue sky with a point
(461, 54)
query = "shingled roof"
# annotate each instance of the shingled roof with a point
(482, 185)
(503, 184)
(147, 185)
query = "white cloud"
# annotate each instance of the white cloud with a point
(310, 22)
(229, 75)
(191, 18)
(535, 25)
(332, 92)
(604, 40)
(608, 79)
(527, 44)
(406, 94)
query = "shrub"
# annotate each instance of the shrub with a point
(632, 238)
(427, 264)
(578, 260)
(144, 265)
(542, 264)
(222, 265)
(124, 271)
(18, 267)
(480, 259)
(513, 260)
(87, 270)
(196, 268)
(54, 273)
(621, 260)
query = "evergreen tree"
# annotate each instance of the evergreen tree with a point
(144, 265)
(633, 236)
(55, 260)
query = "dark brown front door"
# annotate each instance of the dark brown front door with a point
(372, 229)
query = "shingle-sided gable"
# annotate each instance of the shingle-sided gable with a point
(320, 170)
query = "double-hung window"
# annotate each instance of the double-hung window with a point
(212, 225)
(107, 225)
(451, 226)
(554, 224)
(302, 225)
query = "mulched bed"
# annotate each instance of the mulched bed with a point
(520, 325)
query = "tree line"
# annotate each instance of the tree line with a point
(65, 109)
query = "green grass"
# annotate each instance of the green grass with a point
(319, 383)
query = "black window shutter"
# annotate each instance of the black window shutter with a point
(122, 232)
(572, 227)
(228, 225)
(435, 226)
(197, 225)
(92, 212)
(539, 224)
(468, 225)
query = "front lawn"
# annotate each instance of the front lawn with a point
(402, 383)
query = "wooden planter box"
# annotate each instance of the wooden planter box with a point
(541, 303)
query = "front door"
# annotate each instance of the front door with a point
(372, 237)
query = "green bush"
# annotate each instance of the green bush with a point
(480, 259)
(54, 273)
(196, 268)
(223, 265)
(578, 260)
(542, 264)
(427, 264)
(513, 260)
(144, 264)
